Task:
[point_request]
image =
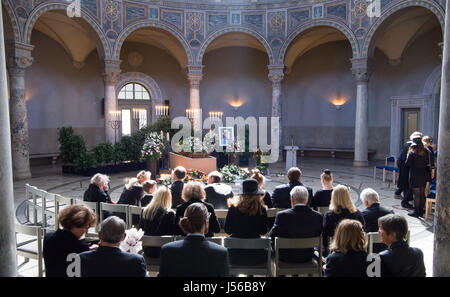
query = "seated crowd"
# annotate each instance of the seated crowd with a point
(189, 210)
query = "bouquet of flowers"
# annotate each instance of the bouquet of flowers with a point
(195, 175)
(153, 147)
(232, 172)
(233, 147)
(131, 244)
(192, 144)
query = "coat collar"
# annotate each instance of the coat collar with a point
(399, 244)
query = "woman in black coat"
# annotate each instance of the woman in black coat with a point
(158, 219)
(418, 163)
(322, 197)
(76, 221)
(341, 208)
(193, 192)
(247, 218)
(349, 257)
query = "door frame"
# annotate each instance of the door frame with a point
(426, 124)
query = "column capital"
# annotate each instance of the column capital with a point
(111, 71)
(361, 69)
(194, 74)
(276, 73)
(18, 56)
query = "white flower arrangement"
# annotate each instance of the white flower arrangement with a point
(132, 243)
(153, 147)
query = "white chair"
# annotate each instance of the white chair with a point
(116, 209)
(94, 207)
(155, 241)
(221, 214)
(374, 237)
(132, 212)
(47, 208)
(249, 244)
(31, 248)
(60, 201)
(30, 194)
(309, 268)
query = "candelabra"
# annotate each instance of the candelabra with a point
(162, 110)
(115, 121)
(139, 117)
(216, 115)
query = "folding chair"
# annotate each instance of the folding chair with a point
(134, 211)
(374, 237)
(155, 241)
(249, 244)
(120, 210)
(310, 268)
(221, 214)
(59, 202)
(323, 209)
(31, 248)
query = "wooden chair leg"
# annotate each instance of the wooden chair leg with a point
(384, 175)
(427, 209)
(374, 173)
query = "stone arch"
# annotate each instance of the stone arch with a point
(223, 31)
(13, 20)
(148, 82)
(431, 85)
(344, 29)
(155, 24)
(430, 5)
(102, 43)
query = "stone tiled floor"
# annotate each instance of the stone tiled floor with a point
(50, 178)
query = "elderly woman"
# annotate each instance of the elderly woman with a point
(341, 207)
(194, 256)
(349, 257)
(76, 221)
(98, 189)
(193, 192)
(247, 218)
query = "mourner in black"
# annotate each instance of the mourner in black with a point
(281, 194)
(217, 193)
(300, 221)
(178, 175)
(400, 260)
(322, 198)
(75, 221)
(194, 256)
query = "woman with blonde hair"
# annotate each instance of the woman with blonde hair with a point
(349, 247)
(247, 218)
(341, 207)
(257, 175)
(158, 218)
(193, 192)
(133, 192)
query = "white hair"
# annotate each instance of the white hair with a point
(99, 178)
(300, 194)
(369, 195)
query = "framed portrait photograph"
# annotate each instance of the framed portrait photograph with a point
(226, 135)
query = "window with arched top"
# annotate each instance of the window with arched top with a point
(133, 91)
(134, 102)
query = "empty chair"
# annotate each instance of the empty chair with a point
(119, 210)
(30, 248)
(30, 194)
(155, 241)
(134, 215)
(60, 201)
(389, 165)
(249, 244)
(310, 268)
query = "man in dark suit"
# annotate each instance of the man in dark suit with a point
(109, 260)
(216, 192)
(176, 188)
(194, 256)
(300, 221)
(281, 197)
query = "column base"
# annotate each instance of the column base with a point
(21, 175)
(360, 163)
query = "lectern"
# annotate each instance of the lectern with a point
(291, 156)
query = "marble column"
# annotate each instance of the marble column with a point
(195, 75)
(111, 72)
(441, 255)
(8, 265)
(19, 59)
(276, 75)
(361, 70)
